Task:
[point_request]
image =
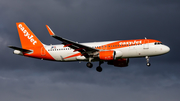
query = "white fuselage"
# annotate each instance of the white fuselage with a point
(61, 53)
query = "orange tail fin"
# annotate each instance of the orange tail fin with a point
(27, 37)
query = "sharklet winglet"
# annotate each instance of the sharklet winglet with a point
(50, 31)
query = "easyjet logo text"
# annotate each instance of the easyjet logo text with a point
(26, 34)
(130, 43)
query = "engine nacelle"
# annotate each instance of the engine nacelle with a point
(120, 62)
(118, 54)
(109, 55)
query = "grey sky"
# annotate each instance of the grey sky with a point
(27, 79)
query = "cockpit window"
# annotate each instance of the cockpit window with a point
(157, 43)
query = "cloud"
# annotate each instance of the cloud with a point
(3, 42)
(78, 86)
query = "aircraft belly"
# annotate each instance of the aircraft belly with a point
(56, 55)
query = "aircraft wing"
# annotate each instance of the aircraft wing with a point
(85, 50)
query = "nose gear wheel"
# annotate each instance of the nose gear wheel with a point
(147, 59)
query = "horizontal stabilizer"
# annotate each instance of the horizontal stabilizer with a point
(20, 49)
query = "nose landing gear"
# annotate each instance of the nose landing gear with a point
(147, 59)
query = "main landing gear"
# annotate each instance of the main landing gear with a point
(90, 65)
(99, 69)
(147, 59)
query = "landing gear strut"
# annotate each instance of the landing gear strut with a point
(147, 59)
(89, 64)
(99, 69)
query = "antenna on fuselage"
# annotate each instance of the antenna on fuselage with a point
(145, 38)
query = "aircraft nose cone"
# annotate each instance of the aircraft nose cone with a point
(166, 49)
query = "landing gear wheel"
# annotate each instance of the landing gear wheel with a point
(148, 64)
(99, 69)
(89, 64)
(147, 59)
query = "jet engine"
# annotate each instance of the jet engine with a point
(120, 62)
(109, 55)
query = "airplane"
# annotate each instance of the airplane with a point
(115, 53)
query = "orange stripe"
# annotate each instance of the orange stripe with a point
(67, 45)
(126, 43)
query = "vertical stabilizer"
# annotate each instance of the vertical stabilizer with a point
(27, 37)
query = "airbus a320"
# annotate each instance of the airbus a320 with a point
(115, 53)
